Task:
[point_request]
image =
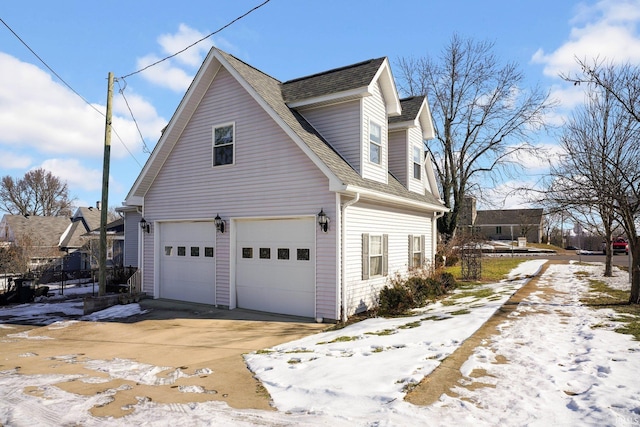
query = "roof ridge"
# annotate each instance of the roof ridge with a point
(334, 70)
(248, 65)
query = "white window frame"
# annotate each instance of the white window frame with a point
(417, 250)
(232, 143)
(373, 256)
(367, 255)
(417, 150)
(372, 142)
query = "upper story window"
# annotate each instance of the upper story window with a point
(223, 144)
(375, 143)
(417, 162)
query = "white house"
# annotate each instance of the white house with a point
(272, 162)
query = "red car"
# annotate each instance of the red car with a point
(620, 245)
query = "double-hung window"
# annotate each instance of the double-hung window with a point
(416, 251)
(417, 162)
(223, 144)
(375, 143)
(374, 255)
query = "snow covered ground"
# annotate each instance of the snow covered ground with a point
(555, 362)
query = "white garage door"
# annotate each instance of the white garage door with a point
(276, 266)
(187, 264)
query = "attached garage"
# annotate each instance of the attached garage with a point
(187, 263)
(275, 265)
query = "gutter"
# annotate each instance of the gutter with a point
(343, 285)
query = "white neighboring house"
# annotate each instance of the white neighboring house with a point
(272, 161)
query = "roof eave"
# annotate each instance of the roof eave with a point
(330, 98)
(388, 87)
(173, 130)
(398, 200)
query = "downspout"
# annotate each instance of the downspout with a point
(434, 232)
(343, 287)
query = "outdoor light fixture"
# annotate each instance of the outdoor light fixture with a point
(219, 223)
(146, 227)
(323, 221)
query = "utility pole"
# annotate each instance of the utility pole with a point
(102, 261)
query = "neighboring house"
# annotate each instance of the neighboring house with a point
(72, 240)
(115, 244)
(38, 236)
(297, 198)
(503, 224)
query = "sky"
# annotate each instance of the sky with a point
(553, 361)
(45, 124)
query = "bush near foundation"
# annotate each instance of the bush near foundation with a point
(404, 293)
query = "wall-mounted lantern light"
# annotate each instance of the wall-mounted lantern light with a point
(323, 221)
(219, 223)
(145, 226)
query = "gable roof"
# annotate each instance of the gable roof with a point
(44, 230)
(509, 217)
(350, 82)
(83, 220)
(415, 110)
(268, 93)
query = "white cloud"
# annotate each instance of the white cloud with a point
(10, 160)
(176, 73)
(165, 74)
(41, 116)
(607, 29)
(74, 173)
(173, 43)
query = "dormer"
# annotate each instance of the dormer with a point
(407, 133)
(350, 107)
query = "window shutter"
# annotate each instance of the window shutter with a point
(365, 256)
(385, 254)
(410, 264)
(424, 250)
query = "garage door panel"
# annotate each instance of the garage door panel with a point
(187, 265)
(280, 283)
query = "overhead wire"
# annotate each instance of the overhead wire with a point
(145, 149)
(68, 86)
(121, 91)
(123, 78)
(198, 41)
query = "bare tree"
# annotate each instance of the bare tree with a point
(618, 87)
(39, 192)
(482, 117)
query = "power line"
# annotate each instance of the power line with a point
(69, 87)
(48, 67)
(195, 43)
(121, 91)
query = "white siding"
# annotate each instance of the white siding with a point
(415, 140)
(398, 224)
(271, 177)
(341, 126)
(398, 156)
(374, 109)
(131, 234)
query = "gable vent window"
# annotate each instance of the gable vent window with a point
(417, 162)
(375, 143)
(223, 144)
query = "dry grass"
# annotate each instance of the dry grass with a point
(602, 296)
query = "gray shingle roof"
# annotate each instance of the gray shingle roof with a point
(332, 81)
(509, 216)
(410, 109)
(45, 231)
(271, 90)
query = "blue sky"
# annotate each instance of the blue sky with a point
(43, 124)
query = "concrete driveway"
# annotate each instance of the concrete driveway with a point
(175, 353)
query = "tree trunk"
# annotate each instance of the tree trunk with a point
(608, 250)
(635, 275)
